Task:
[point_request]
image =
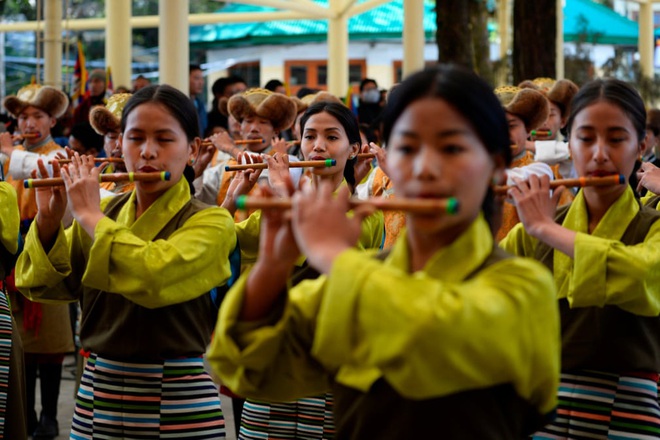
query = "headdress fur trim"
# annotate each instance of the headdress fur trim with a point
(561, 94)
(279, 109)
(528, 104)
(46, 98)
(107, 119)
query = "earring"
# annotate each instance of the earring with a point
(351, 157)
(191, 162)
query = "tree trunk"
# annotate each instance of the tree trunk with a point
(454, 35)
(479, 27)
(534, 34)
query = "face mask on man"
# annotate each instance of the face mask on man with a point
(371, 96)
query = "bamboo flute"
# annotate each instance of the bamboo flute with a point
(111, 177)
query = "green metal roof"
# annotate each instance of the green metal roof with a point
(597, 22)
(383, 22)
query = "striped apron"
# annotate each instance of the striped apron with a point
(172, 399)
(306, 419)
(599, 405)
(5, 356)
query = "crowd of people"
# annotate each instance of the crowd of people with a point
(344, 274)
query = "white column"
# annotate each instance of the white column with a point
(559, 49)
(337, 51)
(646, 39)
(413, 36)
(503, 16)
(173, 36)
(118, 41)
(53, 43)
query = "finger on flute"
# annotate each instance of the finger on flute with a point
(96, 160)
(615, 179)
(301, 164)
(113, 177)
(366, 155)
(417, 206)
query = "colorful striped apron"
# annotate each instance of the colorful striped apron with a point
(599, 405)
(5, 354)
(305, 419)
(173, 399)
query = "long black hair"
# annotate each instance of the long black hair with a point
(178, 105)
(473, 98)
(350, 123)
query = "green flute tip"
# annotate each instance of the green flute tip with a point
(240, 202)
(452, 205)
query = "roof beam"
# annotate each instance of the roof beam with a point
(305, 7)
(152, 21)
(359, 8)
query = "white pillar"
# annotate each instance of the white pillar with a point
(413, 36)
(559, 49)
(53, 43)
(503, 19)
(337, 51)
(646, 39)
(118, 41)
(173, 36)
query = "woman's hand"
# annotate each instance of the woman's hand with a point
(204, 157)
(51, 205)
(362, 166)
(321, 226)
(381, 157)
(536, 207)
(81, 179)
(243, 181)
(648, 177)
(279, 176)
(280, 145)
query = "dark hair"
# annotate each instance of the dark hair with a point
(220, 84)
(366, 81)
(618, 93)
(473, 98)
(175, 102)
(653, 121)
(193, 67)
(350, 123)
(304, 91)
(273, 84)
(89, 138)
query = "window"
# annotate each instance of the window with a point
(248, 71)
(397, 68)
(314, 73)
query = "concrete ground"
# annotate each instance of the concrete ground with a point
(67, 403)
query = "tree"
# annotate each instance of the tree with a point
(462, 35)
(534, 39)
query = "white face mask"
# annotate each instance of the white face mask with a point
(371, 96)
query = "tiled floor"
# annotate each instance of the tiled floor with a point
(66, 403)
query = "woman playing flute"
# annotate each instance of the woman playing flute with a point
(407, 344)
(141, 266)
(604, 252)
(329, 131)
